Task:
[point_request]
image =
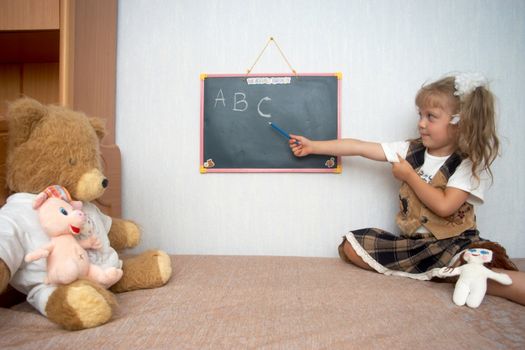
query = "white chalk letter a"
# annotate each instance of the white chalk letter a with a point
(220, 97)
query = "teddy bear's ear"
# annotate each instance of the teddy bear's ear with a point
(99, 125)
(22, 116)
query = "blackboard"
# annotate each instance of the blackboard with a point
(235, 115)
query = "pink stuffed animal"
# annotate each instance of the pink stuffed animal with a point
(61, 218)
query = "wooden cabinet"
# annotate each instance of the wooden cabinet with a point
(62, 52)
(30, 48)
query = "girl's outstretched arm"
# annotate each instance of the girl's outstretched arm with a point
(301, 146)
(442, 203)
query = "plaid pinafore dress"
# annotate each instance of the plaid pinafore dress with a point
(412, 254)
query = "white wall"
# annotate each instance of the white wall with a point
(385, 50)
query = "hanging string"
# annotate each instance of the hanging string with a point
(280, 51)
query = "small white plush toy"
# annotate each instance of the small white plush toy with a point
(472, 282)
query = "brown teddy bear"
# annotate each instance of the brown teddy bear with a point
(51, 145)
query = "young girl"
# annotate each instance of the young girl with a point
(443, 172)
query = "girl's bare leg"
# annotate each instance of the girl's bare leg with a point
(354, 258)
(515, 292)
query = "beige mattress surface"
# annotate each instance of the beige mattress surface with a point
(241, 302)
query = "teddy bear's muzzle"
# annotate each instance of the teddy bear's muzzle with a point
(91, 185)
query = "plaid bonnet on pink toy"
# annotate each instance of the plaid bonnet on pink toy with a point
(57, 191)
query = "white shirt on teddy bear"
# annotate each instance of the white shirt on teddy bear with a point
(21, 233)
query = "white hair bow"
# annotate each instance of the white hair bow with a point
(465, 83)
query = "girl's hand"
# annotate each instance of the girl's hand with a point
(448, 272)
(402, 169)
(300, 146)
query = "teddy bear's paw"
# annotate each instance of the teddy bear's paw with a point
(150, 269)
(165, 270)
(123, 234)
(80, 305)
(133, 234)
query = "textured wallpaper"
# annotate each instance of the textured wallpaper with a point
(385, 51)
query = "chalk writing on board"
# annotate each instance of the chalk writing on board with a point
(236, 109)
(240, 104)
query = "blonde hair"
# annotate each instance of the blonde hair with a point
(477, 139)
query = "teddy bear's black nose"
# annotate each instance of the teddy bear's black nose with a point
(105, 183)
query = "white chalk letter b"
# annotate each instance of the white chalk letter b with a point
(242, 101)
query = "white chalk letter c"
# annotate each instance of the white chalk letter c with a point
(259, 107)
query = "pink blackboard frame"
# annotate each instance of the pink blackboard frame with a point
(204, 170)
